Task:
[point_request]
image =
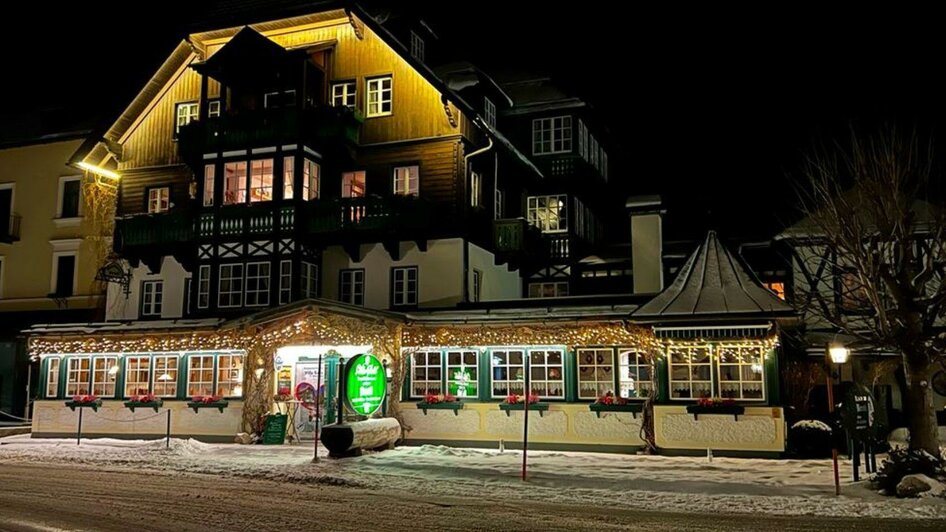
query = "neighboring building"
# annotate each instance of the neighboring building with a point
(47, 267)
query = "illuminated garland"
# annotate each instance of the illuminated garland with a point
(540, 334)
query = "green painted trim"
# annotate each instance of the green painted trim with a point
(570, 373)
(331, 387)
(157, 437)
(663, 379)
(484, 388)
(183, 365)
(770, 367)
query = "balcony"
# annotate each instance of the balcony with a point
(154, 229)
(517, 242)
(268, 127)
(371, 215)
(10, 233)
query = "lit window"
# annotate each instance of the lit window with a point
(285, 281)
(165, 376)
(52, 377)
(777, 288)
(489, 112)
(234, 190)
(476, 189)
(404, 286)
(425, 373)
(353, 184)
(351, 287)
(852, 293)
(552, 135)
(310, 280)
(634, 374)
(508, 372)
(257, 284)
(230, 286)
(740, 372)
(343, 94)
(311, 172)
(203, 286)
(104, 375)
(548, 289)
(406, 180)
(159, 199)
(261, 180)
(137, 376)
(545, 372)
(595, 372)
(548, 213)
(200, 375)
(691, 372)
(288, 175)
(185, 114)
(379, 97)
(462, 373)
(78, 375)
(152, 297)
(230, 376)
(209, 173)
(417, 47)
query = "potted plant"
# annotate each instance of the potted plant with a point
(614, 403)
(207, 401)
(148, 400)
(84, 401)
(515, 401)
(716, 405)
(443, 401)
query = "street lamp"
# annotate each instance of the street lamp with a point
(834, 354)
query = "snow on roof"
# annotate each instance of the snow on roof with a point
(713, 282)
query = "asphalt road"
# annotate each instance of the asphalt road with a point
(73, 497)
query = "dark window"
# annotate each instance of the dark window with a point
(6, 212)
(404, 286)
(65, 275)
(70, 199)
(351, 287)
(152, 298)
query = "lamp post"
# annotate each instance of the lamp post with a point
(834, 354)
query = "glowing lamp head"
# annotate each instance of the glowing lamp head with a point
(838, 353)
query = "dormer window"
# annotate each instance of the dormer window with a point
(417, 46)
(489, 112)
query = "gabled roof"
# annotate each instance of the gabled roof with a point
(807, 228)
(713, 283)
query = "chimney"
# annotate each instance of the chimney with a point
(646, 243)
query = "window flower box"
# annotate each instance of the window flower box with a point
(440, 402)
(144, 401)
(84, 401)
(718, 406)
(207, 401)
(516, 402)
(611, 403)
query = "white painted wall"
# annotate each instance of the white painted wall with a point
(498, 281)
(120, 307)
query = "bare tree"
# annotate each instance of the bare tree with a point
(872, 252)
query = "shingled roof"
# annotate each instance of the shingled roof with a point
(713, 283)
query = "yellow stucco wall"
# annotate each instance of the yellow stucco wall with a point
(53, 418)
(760, 429)
(27, 269)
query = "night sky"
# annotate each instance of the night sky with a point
(711, 108)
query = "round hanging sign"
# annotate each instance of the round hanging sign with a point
(365, 384)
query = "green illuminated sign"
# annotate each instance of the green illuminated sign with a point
(365, 384)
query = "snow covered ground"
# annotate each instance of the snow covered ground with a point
(725, 485)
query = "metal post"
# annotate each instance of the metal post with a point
(167, 443)
(341, 393)
(856, 458)
(29, 378)
(318, 409)
(79, 431)
(525, 423)
(834, 440)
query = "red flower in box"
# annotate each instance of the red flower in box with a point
(146, 398)
(284, 391)
(514, 398)
(715, 401)
(84, 399)
(611, 399)
(207, 399)
(432, 398)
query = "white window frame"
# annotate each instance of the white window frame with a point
(406, 180)
(75, 271)
(214, 108)
(109, 362)
(257, 274)
(559, 289)
(210, 171)
(159, 386)
(431, 385)
(241, 182)
(137, 376)
(356, 284)
(283, 97)
(374, 88)
(185, 113)
(740, 382)
(687, 351)
(229, 372)
(629, 373)
(259, 185)
(311, 179)
(552, 135)
(348, 184)
(288, 177)
(417, 46)
(513, 383)
(61, 197)
(309, 288)
(285, 281)
(235, 292)
(53, 367)
(203, 286)
(159, 199)
(152, 297)
(548, 368)
(476, 189)
(73, 373)
(595, 371)
(461, 366)
(489, 112)
(401, 293)
(499, 204)
(202, 367)
(548, 213)
(344, 93)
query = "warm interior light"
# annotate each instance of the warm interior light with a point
(838, 354)
(113, 370)
(98, 170)
(165, 377)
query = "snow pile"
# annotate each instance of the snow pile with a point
(683, 484)
(812, 424)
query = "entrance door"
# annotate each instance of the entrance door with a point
(307, 381)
